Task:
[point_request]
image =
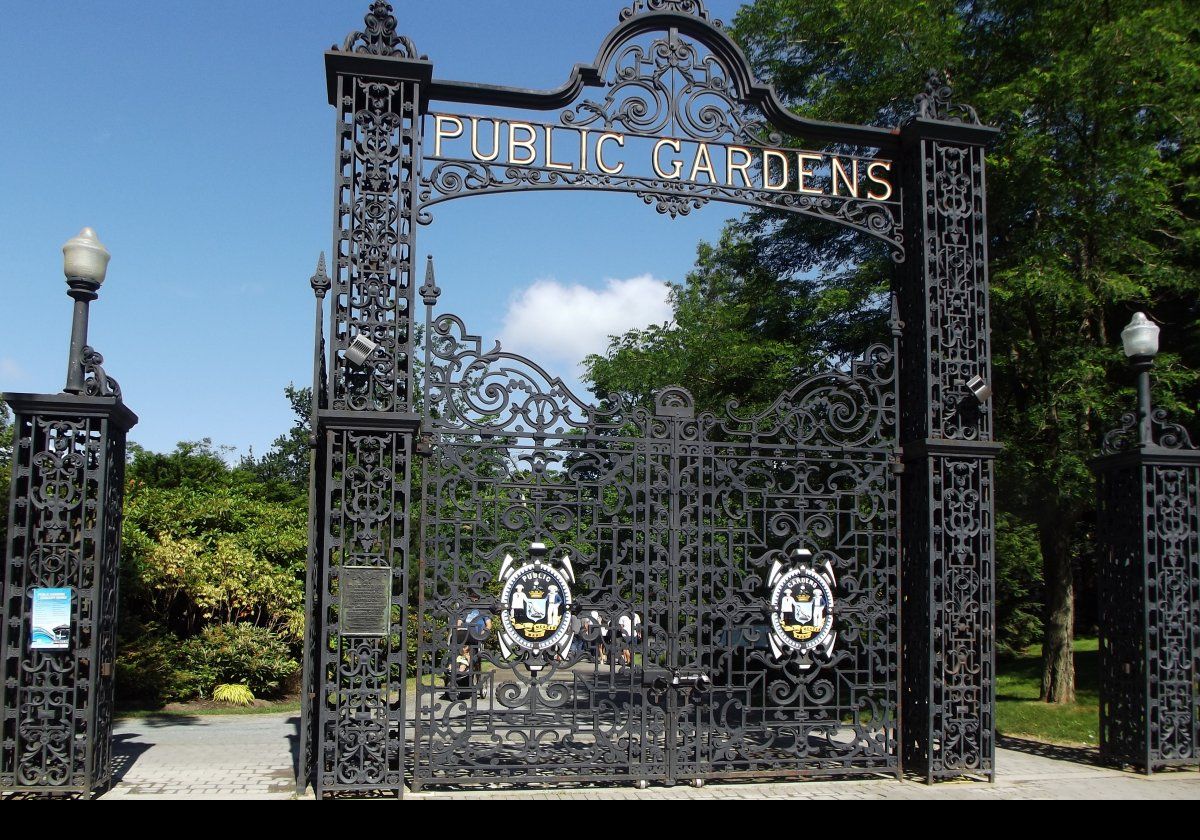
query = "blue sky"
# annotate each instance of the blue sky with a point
(196, 139)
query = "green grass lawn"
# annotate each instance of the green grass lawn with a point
(208, 707)
(1020, 713)
(1018, 710)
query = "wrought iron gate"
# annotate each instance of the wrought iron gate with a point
(694, 524)
(666, 533)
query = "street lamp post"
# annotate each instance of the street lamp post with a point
(1140, 340)
(85, 262)
(1148, 580)
(59, 588)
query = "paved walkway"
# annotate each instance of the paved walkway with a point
(252, 756)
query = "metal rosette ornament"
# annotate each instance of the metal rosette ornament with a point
(802, 609)
(536, 604)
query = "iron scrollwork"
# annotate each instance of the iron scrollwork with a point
(955, 337)
(372, 294)
(65, 533)
(949, 555)
(684, 7)
(672, 87)
(353, 735)
(672, 517)
(1125, 436)
(378, 35)
(936, 101)
(1148, 587)
(665, 85)
(96, 382)
(670, 520)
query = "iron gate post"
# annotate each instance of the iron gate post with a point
(1148, 587)
(64, 532)
(353, 729)
(948, 663)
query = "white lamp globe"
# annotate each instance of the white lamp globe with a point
(85, 257)
(1140, 337)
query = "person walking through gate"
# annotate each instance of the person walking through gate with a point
(470, 632)
(631, 634)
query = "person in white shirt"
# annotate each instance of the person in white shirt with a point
(631, 630)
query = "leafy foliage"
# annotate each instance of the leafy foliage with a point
(741, 328)
(150, 669)
(284, 469)
(196, 554)
(234, 695)
(1094, 189)
(1018, 583)
(244, 653)
(212, 576)
(6, 444)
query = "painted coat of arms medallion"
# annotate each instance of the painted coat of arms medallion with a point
(802, 608)
(536, 604)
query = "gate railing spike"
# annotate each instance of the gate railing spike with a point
(430, 291)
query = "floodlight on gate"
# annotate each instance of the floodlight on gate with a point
(980, 389)
(360, 349)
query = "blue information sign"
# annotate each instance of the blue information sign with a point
(50, 619)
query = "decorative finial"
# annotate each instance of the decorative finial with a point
(935, 102)
(894, 323)
(378, 35)
(430, 292)
(320, 281)
(97, 383)
(684, 7)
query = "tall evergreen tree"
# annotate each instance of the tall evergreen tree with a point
(6, 444)
(1093, 194)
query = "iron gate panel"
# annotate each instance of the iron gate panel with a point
(56, 712)
(637, 495)
(671, 522)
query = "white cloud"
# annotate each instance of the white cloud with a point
(557, 325)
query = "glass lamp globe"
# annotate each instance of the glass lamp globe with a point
(1140, 337)
(85, 257)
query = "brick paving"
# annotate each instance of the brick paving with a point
(252, 756)
(205, 757)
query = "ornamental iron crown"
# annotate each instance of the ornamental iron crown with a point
(378, 35)
(683, 7)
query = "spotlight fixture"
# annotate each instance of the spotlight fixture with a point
(360, 349)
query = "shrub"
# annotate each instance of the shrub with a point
(146, 668)
(239, 653)
(236, 695)
(193, 557)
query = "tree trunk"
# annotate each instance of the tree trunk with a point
(1058, 661)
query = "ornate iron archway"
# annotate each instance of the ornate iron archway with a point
(603, 588)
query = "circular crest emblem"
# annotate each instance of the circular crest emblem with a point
(802, 610)
(537, 603)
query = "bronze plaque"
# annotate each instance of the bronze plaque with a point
(366, 600)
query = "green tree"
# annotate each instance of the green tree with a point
(1093, 194)
(285, 466)
(192, 465)
(221, 551)
(204, 546)
(6, 452)
(742, 327)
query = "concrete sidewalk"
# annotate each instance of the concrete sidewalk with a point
(252, 757)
